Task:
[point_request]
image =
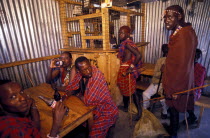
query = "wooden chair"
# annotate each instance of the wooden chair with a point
(203, 102)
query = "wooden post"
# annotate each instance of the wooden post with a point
(105, 28)
(128, 20)
(143, 29)
(62, 12)
(143, 23)
(82, 30)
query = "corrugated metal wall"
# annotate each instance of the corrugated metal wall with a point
(156, 33)
(31, 29)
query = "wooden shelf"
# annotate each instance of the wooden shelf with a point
(104, 15)
(87, 16)
(72, 2)
(115, 8)
(89, 50)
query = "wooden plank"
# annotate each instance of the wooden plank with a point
(17, 63)
(86, 32)
(93, 37)
(62, 12)
(72, 2)
(128, 20)
(115, 8)
(105, 28)
(89, 50)
(82, 30)
(94, 15)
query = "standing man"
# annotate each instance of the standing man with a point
(178, 74)
(94, 91)
(130, 60)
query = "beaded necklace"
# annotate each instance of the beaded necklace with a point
(177, 30)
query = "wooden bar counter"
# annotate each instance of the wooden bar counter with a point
(78, 112)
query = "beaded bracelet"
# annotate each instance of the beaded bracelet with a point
(48, 135)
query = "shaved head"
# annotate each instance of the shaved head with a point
(126, 29)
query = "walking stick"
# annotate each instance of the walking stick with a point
(130, 98)
(159, 82)
(156, 94)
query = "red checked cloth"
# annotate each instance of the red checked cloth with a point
(97, 94)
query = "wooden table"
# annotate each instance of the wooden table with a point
(147, 69)
(78, 112)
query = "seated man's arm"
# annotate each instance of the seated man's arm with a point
(52, 72)
(58, 114)
(34, 113)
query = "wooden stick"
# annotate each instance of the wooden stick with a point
(159, 98)
(28, 76)
(130, 98)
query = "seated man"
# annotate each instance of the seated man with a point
(94, 91)
(19, 116)
(199, 76)
(65, 71)
(156, 80)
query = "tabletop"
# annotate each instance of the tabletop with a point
(78, 112)
(147, 69)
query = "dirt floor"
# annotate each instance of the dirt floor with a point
(123, 128)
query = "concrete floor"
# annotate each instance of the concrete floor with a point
(124, 130)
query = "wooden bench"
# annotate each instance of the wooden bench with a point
(142, 85)
(146, 70)
(203, 102)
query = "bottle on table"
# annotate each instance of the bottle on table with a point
(51, 102)
(57, 95)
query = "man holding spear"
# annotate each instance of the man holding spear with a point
(178, 74)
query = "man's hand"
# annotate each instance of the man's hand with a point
(174, 96)
(129, 70)
(33, 112)
(53, 63)
(58, 114)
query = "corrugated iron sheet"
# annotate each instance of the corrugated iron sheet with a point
(156, 33)
(29, 29)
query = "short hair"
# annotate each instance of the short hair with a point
(126, 28)
(178, 9)
(198, 53)
(68, 53)
(80, 59)
(164, 47)
(2, 82)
